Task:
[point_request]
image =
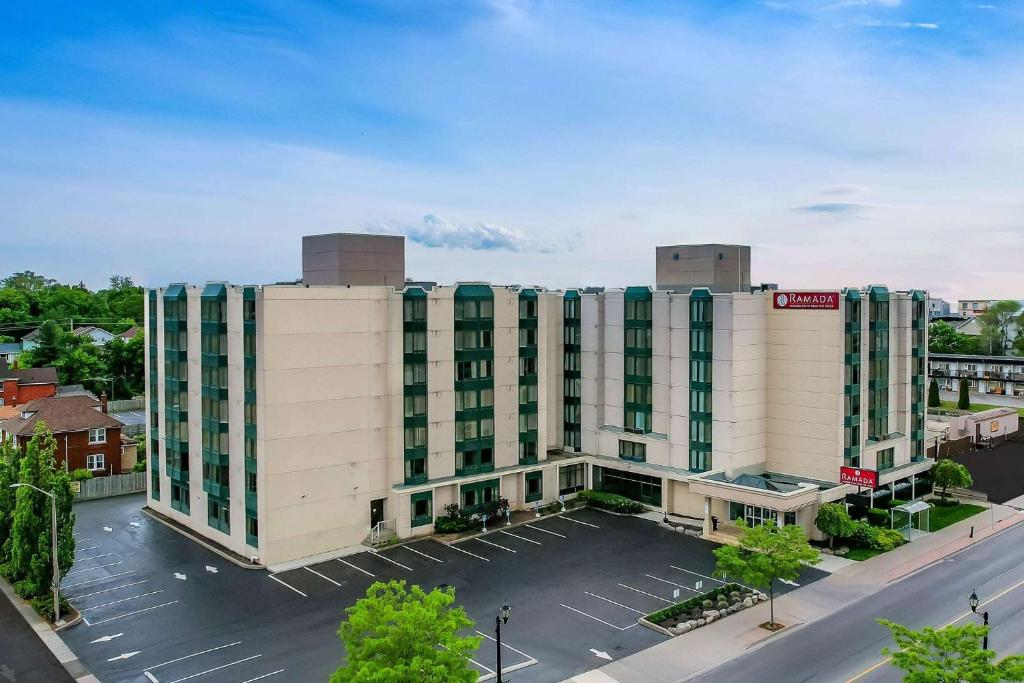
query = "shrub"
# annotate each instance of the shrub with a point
(858, 512)
(893, 502)
(450, 525)
(25, 589)
(878, 517)
(867, 536)
(81, 474)
(692, 607)
(452, 511)
(887, 539)
(44, 606)
(7, 571)
(140, 466)
(611, 502)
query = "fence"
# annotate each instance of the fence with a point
(115, 485)
(126, 405)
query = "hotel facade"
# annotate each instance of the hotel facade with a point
(288, 421)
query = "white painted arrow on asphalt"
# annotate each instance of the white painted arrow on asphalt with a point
(212, 570)
(107, 528)
(791, 583)
(107, 639)
(180, 577)
(134, 523)
(602, 654)
(126, 655)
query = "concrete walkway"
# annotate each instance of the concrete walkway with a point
(688, 655)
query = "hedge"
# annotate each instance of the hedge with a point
(454, 525)
(696, 601)
(610, 501)
(878, 517)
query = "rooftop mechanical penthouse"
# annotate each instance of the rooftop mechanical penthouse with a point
(290, 420)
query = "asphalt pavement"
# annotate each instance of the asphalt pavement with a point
(847, 645)
(23, 657)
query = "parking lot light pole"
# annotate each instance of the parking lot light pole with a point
(499, 619)
(53, 529)
(973, 601)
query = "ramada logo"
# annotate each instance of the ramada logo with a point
(819, 300)
(783, 300)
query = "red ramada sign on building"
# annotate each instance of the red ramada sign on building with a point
(819, 300)
(858, 476)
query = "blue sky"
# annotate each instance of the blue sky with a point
(551, 143)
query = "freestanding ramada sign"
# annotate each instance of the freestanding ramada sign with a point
(819, 300)
(858, 476)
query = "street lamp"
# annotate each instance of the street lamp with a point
(973, 600)
(499, 619)
(53, 529)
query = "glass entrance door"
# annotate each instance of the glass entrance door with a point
(756, 516)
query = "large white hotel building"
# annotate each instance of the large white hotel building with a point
(286, 421)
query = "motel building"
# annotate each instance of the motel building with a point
(292, 421)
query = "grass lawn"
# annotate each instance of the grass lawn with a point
(941, 517)
(861, 554)
(976, 407)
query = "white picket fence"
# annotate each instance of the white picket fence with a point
(115, 485)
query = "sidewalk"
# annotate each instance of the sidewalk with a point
(687, 655)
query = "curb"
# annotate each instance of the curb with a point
(197, 539)
(61, 652)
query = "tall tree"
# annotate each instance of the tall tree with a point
(964, 399)
(943, 338)
(27, 281)
(10, 463)
(766, 554)
(48, 346)
(949, 655)
(401, 636)
(833, 519)
(995, 325)
(125, 362)
(949, 473)
(933, 394)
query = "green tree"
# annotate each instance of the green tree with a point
(943, 338)
(48, 346)
(766, 554)
(10, 463)
(140, 446)
(14, 306)
(398, 636)
(964, 399)
(933, 394)
(949, 655)
(949, 473)
(834, 520)
(995, 325)
(125, 362)
(27, 281)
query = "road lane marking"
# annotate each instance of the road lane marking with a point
(92, 557)
(429, 557)
(522, 538)
(650, 595)
(617, 604)
(358, 569)
(274, 578)
(194, 654)
(495, 545)
(216, 668)
(92, 569)
(388, 559)
(325, 578)
(885, 661)
(115, 588)
(260, 678)
(671, 583)
(591, 616)
(102, 578)
(537, 528)
(131, 614)
(115, 602)
(479, 557)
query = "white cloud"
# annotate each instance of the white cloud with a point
(436, 232)
(929, 25)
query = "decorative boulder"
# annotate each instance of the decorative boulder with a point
(692, 623)
(683, 628)
(723, 612)
(709, 619)
(701, 622)
(748, 602)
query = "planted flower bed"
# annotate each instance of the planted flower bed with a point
(704, 609)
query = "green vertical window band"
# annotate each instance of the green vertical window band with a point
(701, 355)
(414, 389)
(919, 365)
(878, 362)
(153, 438)
(474, 375)
(852, 377)
(638, 406)
(249, 386)
(176, 441)
(572, 426)
(528, 371)
(213, 326)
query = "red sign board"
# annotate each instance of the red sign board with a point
(812, 300)
(858, 476)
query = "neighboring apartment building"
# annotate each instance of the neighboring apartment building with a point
(287, 420)
(938, 308)
(21, 385)
(86, 436)
(1002, 375)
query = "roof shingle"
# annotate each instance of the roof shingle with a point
(61, 414)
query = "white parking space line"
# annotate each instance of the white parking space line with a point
(92, 569)
(116, 602)
(115, 588)
(470, 659)
(131, 614)
(591, 616)
(617, 604)
(494, 544)
(518, 652)
(82, 550)
(522, 538)
(703, 576)
(216, 668)
(274, 578)
(260, 678)
(102, 578)
(92, 557)
(671, 583)
(650, 595)
(537, 528)
(358, 569)
(325, 578)
(194, 654)
(388, 559)
(429, 557)
(530, 661)
(479, 557)
(576, 521)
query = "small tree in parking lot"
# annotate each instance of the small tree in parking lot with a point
(833, 519)
(766, 553)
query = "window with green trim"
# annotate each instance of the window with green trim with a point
(851, 377)
(637, 359)
(422, 508)
(534, 486)
(878, 364)
(572, 428)
(571, 478)
(414, 376)
(631, 450)
(480, 496)
(218, 514)
(884, 459)
(701, 311)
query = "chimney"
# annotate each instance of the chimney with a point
(103, 403)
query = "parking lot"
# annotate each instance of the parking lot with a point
(162, 609)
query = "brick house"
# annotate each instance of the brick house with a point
(18, 386)
(86, 436)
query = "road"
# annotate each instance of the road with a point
(986, 399)
(23, 657)
(847, 645)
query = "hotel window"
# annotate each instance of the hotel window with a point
(528, 367)
(884, 459)
(94, 462)
(98, 435)
(421, 508)
(571, 478)
(534, 486)
(631, 450)
(527, 393)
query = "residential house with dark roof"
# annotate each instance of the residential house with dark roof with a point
(9, 352)
(98, 335)
(130, 333)
(86, 436)
(21, 385)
